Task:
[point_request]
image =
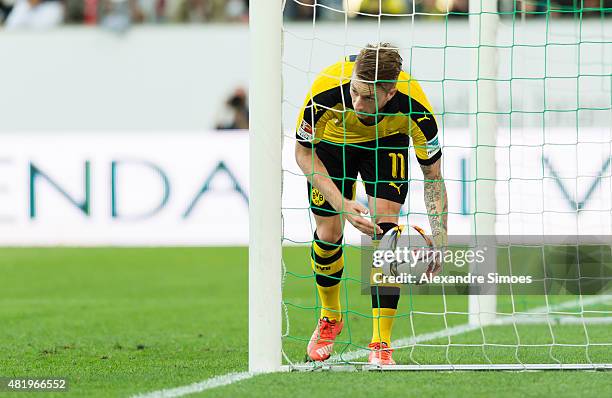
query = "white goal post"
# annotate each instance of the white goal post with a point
(265, 174)
(483, 21)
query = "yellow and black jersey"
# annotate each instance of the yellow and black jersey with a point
(328, 114)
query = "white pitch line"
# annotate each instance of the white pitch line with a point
(217, 381)
(466, 328)
(230, 378)
(407, 341)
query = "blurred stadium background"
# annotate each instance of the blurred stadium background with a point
(124, 180)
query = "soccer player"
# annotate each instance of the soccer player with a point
(358, 119)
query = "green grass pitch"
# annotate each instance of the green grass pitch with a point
(118, 322)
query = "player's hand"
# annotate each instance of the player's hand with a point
(356, 214)
(436, 264)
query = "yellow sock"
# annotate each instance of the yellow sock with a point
(382, 323)
(330, 301)
(328, 262)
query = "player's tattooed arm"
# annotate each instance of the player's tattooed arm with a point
(436, 202)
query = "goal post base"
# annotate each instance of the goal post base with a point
(444, 367)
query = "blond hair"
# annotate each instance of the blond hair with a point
(380, 62)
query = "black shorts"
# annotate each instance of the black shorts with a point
(382, 165)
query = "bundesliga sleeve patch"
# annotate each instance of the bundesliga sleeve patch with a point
(433, 147)
(305, 131)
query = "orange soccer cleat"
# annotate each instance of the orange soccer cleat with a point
(380, 354)
(322, 341)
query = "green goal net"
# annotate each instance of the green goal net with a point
(522, 96)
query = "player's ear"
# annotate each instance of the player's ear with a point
(392, 92)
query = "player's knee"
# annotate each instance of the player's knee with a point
(325, 243)
(328, 234)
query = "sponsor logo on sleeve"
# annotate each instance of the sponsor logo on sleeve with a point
(305, 131)
(433, 147)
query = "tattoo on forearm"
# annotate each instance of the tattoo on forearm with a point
(436, 203)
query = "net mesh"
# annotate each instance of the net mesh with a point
(553, 111)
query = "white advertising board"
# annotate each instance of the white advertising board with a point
(192, 188)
